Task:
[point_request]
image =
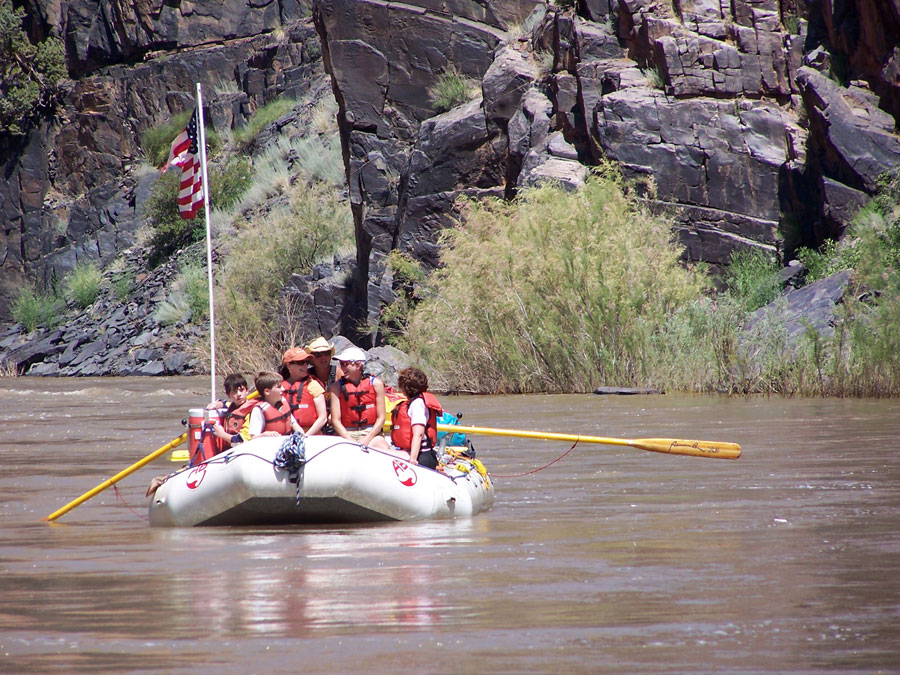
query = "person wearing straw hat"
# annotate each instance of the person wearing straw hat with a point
(357, 402)
(320, 354)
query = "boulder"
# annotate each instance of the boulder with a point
(855, 139)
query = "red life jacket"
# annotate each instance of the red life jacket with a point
(361, 411)
(302, 404)
(275, 419)
(401, 427)
(234, 417)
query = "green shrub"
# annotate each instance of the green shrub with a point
(33, 308)
(156, 142)
(228, 183)
(29, 73)
(83, 284)
(311, 228)
(195, 282)
(123, 285)
(451, 89)
(556, 291)
(752, 278)
(263, 117)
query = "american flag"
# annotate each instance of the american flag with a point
(185, 153)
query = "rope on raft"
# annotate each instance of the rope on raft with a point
(291, 457)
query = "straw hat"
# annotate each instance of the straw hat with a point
(320, 344)
(294, 354)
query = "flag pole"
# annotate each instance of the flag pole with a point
(209, 264)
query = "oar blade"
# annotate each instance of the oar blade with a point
(673, 446)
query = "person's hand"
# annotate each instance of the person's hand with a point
(215, 405)
(155, 483)
(270, 433)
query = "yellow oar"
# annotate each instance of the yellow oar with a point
(672, 446)
(175, 442)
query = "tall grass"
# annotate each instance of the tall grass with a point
(83, 284)
(752, 278)
(451, 89)
(263, 117)
(34, 308)
(310, 228)
(555, 291)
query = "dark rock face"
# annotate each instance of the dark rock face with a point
(709, 103)
(73, 191)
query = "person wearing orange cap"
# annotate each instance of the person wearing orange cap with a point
(304, 394)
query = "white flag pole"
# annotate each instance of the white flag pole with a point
(209, 264)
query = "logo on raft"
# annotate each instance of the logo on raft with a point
(195, 477)
(405, 473)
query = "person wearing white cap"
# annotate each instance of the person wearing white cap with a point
(357, 402)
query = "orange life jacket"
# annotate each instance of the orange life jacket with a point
(234, 417)
(301, 401)
(361, 412)
(277, 419)
(401, 427)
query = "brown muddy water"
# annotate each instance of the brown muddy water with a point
(610, 560)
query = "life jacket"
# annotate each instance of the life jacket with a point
(361, 411)
(275, 419)
(234, 417)
(301, 401)
(401, 427)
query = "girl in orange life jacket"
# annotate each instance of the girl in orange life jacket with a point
(272, 417)
(414, 421)
(357, 402)
(304, 394)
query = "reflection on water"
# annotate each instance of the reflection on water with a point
(612, 559)
(370, 576)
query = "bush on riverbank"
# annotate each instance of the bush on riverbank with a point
(562, 291)
(556, 291)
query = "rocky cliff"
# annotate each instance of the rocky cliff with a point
(758, 123)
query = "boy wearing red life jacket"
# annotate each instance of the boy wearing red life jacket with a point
(357, 402)
(414, 421)
(272, 417)
(236, 409)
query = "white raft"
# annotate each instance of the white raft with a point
(340, 482)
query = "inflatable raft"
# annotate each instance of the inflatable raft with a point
(318, 479)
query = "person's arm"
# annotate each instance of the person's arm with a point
(418, 430)
(339, 428)
(378, 426)
(321, 415)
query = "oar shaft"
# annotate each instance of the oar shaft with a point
(671, 446)
(175, 442)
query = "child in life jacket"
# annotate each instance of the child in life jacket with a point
(304, 393)
(357, 402)
(235, 411)
(272, 416)
(414, 421)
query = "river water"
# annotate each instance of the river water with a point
(610, 560)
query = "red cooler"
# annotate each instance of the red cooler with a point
(202, 443)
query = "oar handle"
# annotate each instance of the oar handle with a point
(175, 442)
